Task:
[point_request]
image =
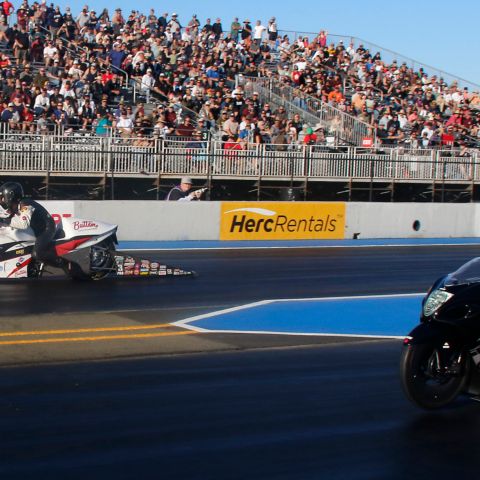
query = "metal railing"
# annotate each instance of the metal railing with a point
(135, 84)
(387, 56)
(264, 87)
(345, 128)
(78, 50)
(130, 157)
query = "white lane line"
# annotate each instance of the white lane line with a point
(186, 322)
(194, 249)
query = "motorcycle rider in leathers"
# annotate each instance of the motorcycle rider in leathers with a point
(24, 213)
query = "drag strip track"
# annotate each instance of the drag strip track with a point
(328, 411)
(234, 277)
(331, 412)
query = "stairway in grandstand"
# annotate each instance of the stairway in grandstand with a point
(131, 90)
(342, 128)
(345, 128)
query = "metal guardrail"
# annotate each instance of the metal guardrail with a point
(93, 156)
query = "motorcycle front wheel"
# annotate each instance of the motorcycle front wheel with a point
(433, 376)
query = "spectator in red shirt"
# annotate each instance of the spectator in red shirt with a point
(186, 128)
(310, 137)
(297, 75)
(107, 77)
(455, 119)
(7, 9)
(447, 137)
(22, 17)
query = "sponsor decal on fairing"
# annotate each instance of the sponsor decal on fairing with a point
(84, 225)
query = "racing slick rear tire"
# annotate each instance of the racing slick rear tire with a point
(102, 263)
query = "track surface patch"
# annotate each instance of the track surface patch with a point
(391, 316)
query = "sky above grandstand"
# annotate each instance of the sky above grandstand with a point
(439, 33)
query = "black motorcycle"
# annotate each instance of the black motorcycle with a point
(441, 356)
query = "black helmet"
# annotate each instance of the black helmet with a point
(10, 193)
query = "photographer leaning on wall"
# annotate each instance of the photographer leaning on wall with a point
(184, 192)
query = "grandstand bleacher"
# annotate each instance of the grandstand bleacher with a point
(121, 105)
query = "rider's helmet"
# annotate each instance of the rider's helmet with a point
(10, 193)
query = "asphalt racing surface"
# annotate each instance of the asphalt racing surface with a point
(235, 277)
(231, 405)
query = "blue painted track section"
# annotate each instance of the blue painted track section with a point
(386, 316)
(189, 245)
(390, 316)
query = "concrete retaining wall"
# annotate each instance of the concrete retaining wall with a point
(142, 220)
(150, 220)
(401, 220)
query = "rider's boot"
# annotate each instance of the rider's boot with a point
(49, 256)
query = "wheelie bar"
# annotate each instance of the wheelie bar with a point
(140, 267)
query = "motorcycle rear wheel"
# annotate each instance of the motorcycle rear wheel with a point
(428, 384)
(102, 263)
(102, 257)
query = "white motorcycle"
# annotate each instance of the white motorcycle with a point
(85, 250)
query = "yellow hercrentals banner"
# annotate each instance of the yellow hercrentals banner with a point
(282, 220)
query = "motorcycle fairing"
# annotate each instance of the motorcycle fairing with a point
(16, 267)
(77, 249)
(14, 251)
(78, 228)
(433, 332)
(16, 248)
(21, 268)
(72, 242)
(79, 236)
(64, 247)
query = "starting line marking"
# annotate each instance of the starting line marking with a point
(373, 316)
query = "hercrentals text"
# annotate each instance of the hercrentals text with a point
(282, 224)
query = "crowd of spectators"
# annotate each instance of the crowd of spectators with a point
(407, 107)
(76, 71)
(85, 65)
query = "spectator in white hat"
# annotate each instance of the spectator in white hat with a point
(148, 82)
(184, 193)
(175, 26)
